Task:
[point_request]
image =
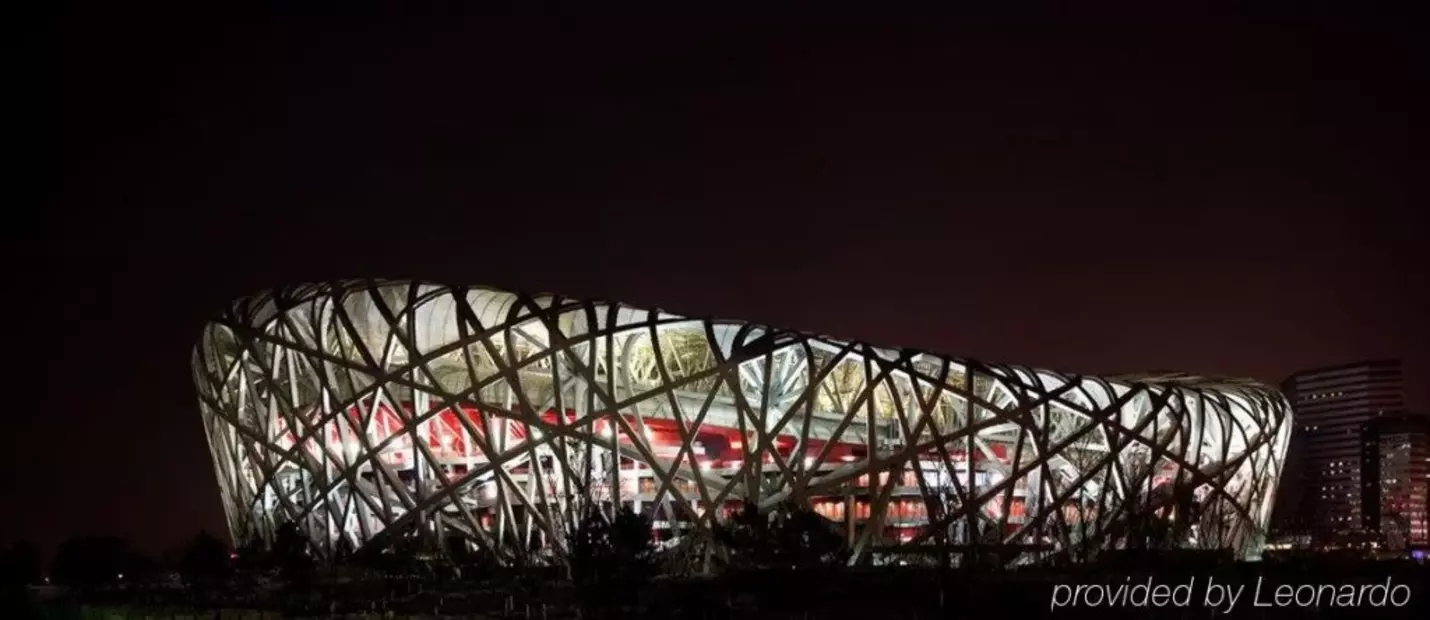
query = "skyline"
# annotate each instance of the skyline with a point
(983, 193)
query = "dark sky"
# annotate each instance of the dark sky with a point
(1225, 195)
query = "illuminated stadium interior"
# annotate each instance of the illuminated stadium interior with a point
(356, 409)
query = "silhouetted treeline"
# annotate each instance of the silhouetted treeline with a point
(786, 563)
(90, 562)
(20, 565)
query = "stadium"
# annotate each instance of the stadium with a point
(366, 409)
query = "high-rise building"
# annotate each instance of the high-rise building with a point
(1395, 467)
(1332, 406)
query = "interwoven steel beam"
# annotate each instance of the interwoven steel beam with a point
(359, 410)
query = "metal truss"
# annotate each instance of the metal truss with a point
(363, 410)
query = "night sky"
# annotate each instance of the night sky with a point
(1220, 195)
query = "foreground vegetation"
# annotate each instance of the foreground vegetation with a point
(792, 567)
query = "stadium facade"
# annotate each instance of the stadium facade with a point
(366, 409)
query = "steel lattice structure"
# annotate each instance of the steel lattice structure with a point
(357, 409)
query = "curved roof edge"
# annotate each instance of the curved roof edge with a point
(268, 301)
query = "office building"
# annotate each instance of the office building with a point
(1332, 406)
(1395, 467)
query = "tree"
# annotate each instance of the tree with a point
(797, 538)
(478, 565)
(1217, 522)
(458, 551)
(205, 561)
(20, 565)
(623, 545)
(1084, 514)
(252, 555)
(748, 538)
(1185, 509)
(803, 539)
(1143, 529)
(612, 560)
(1141, 526)
(290, 554)
(90, 562)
